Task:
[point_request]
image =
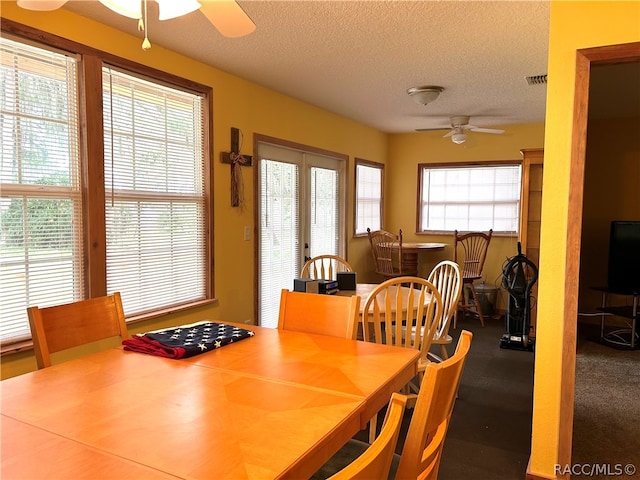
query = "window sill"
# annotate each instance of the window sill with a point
(17, 347)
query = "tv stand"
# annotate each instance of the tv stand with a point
(623, 337)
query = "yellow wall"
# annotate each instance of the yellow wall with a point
(406, 151)
(573, 25)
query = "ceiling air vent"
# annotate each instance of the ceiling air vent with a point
(536, 79)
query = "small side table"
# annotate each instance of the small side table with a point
(622, 337)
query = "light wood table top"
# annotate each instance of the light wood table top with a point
(33, 453)
(416, 247)
(275, 405)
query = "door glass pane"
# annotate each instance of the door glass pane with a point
(279, 235)
(324, 220)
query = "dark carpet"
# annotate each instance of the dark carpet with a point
(606, 409)
(490, 433)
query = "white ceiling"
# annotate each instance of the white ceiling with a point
(358, 58)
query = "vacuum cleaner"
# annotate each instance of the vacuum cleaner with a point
(519, 275)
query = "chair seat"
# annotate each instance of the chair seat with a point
(471, 278)
(443, 341)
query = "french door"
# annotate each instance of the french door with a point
(301, 205)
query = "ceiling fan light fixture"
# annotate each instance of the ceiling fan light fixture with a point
(128, 8)
(426, 94)
(41, 5)
(171, 9)
(459, 138)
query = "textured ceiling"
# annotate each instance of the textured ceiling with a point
(358, 58)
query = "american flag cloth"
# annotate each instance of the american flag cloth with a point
(186, 340)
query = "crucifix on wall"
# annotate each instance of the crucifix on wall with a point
(236, 161)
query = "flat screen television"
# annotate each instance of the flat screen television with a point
(624, 257)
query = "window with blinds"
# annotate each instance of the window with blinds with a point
(369, 188)
(41, 251)
(469, 198)
(155, 194)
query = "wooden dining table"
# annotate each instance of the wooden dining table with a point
(275, 405)
(410, 251)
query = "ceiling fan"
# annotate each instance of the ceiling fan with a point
(459, 125)
(226, 15)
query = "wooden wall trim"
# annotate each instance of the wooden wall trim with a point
(585, 58)
(532, 476)
(536, 476)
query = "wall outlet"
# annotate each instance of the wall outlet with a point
(247, 233)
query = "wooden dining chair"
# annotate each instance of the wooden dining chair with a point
(61, 327)
(393, 308)
(325, 267)
(332, 315)
(375, 462)
(447, 279)
(386, 250)
(431, 416)
(470, 252)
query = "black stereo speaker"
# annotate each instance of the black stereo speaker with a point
(346, 280)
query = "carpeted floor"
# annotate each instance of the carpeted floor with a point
(607, 408)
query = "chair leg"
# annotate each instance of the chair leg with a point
(373, 426)
(477, 303)
(445, 354)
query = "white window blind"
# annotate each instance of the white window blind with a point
(155, 196)
(324, 207)
(40, 207)
(368, 198)
(279, 234)
(470, 198)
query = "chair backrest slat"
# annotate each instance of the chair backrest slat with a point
(470, 252)
(399, 306)
(386, 250)
(447, 279)
(325, 267)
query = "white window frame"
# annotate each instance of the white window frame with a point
(368, 196)
(469, 197)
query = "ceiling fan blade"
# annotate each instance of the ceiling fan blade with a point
(431, 129)
(452, 132)
(228, 17)
(471, 128)
(41, 5)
